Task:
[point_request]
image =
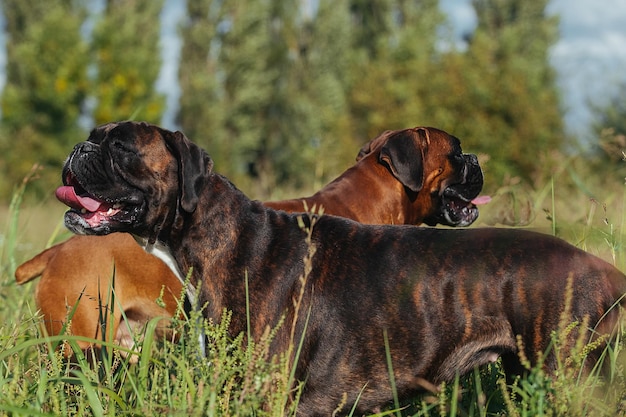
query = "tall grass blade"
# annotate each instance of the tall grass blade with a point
(247, 306)
(392, 378)
(91, 393)
(10, 237)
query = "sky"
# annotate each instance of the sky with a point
(590, 56)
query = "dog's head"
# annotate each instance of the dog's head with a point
(435, 172)
(133, 177)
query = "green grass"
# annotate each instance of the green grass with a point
(238, 378)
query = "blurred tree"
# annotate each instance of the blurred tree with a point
(611, 115)
(128, 61)
(255, 66)
(396, 79)
(609, 127)
(263, 84)
(201, 112)
(319, 126)
(283, 93)
(502, 97)
(372, 21)
(45, 89)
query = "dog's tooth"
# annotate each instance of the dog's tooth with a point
(117, 206)
(83, 211)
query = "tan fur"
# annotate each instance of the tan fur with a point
(82, 268)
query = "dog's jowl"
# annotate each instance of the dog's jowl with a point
(446, 300)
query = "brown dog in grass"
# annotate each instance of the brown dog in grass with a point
(408, 176)
(434, 303)
(82, 268)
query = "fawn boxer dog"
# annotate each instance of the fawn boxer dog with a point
(437, 302)
(81, 269)
(405, 176)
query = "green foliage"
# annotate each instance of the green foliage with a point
(45, 89)
(283, 95)
(511, 99)
(254, 65)
(268, 83)
(201, 115)
(48, 83)
(317, 143)
(280, 91)
(45, 84)
(612, 115)
(128, 60)
(393, 91)
(609, 133)
(373, 21)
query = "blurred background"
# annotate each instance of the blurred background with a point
(282, 94)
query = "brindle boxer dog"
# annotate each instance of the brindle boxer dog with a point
(404, 176)
(441, 301)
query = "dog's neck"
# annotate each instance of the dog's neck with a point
(162, 251)
(225, 242)
(341, 197)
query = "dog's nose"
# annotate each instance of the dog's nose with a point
(474, 174)
(470, 159)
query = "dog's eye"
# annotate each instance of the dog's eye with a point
(121, 147)
(122, 154)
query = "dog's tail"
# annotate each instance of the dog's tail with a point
(32, 269)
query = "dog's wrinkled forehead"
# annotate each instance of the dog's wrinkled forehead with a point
(134, 147)
(128, 135)
(98, 134)
(456, 143)
(123, 132)
(442, 140)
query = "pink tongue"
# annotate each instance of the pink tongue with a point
(67, 195)
(483, 199)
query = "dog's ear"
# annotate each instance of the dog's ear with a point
(373, 144)
(403, 154)
(194, 167)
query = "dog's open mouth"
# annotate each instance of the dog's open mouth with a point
(91, 209)
(458, 210)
